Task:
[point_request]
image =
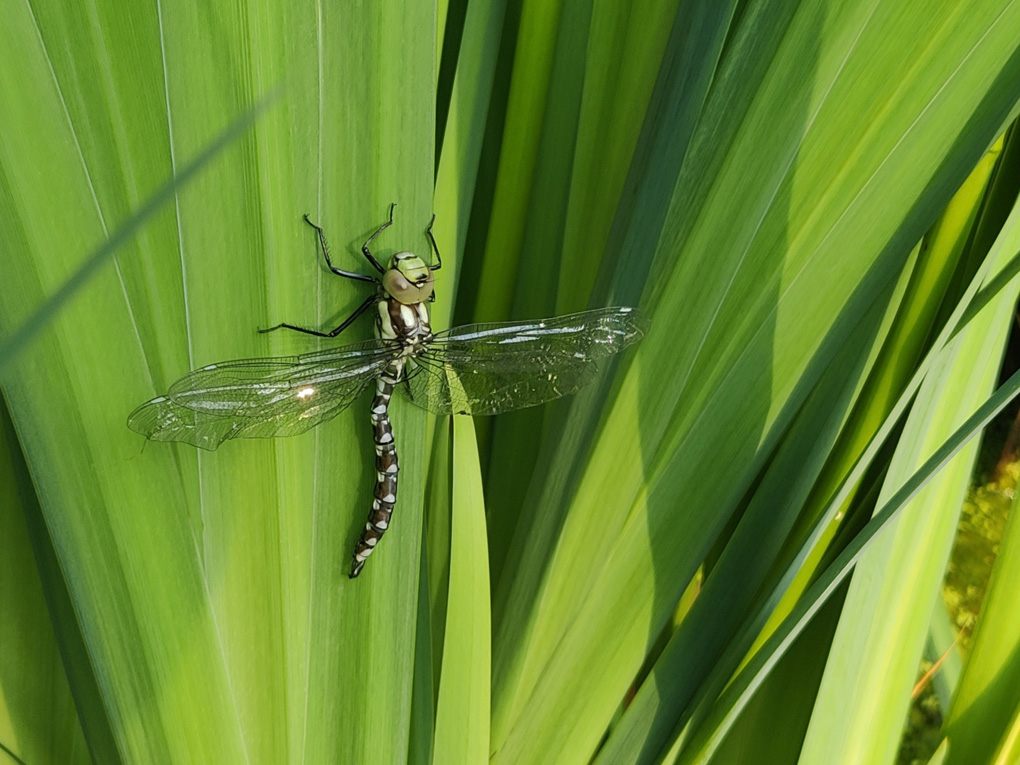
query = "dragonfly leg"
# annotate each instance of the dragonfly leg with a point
(325, 254)
(435, 247)
(383, 227)
(333, 332)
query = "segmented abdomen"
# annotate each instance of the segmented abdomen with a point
(386, 467)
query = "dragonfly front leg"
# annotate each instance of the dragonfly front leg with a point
(364, 248)
(435, 248)
(339, 271)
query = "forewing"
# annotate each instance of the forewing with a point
(261, 398)
(493, 368)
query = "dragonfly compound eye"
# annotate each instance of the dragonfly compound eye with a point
(408, 279)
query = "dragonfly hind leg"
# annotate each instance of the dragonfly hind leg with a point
(333, 332)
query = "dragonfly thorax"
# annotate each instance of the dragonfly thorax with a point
(408, 279)
(408, 324)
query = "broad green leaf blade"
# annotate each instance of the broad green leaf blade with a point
(66, 182)
(212, 588)
(369, 112)
(90, 267)
(462, 713)
(767, 264)
(982, 717)
(38, 719)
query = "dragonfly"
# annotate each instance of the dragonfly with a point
(475, 369)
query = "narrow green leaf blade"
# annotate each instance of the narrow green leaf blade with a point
(881, 635)
(737, 694)
(982, 717)
(462, 714)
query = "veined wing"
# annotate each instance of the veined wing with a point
(493, 368)
(262, 398)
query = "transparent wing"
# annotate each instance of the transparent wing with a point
(493, 368)
(262, 398)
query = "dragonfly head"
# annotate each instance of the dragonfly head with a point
(408, 280)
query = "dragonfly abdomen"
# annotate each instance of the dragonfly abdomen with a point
(408, 324)
(386, 466)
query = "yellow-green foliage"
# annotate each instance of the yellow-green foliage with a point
(792, 191)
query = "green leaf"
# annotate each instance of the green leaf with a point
(462, 714)
(212, 588)
(760, 178)
(39, 721)
(752, 552)
(982, 718)
(879, 642)
(743, 686)
(785, 222)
